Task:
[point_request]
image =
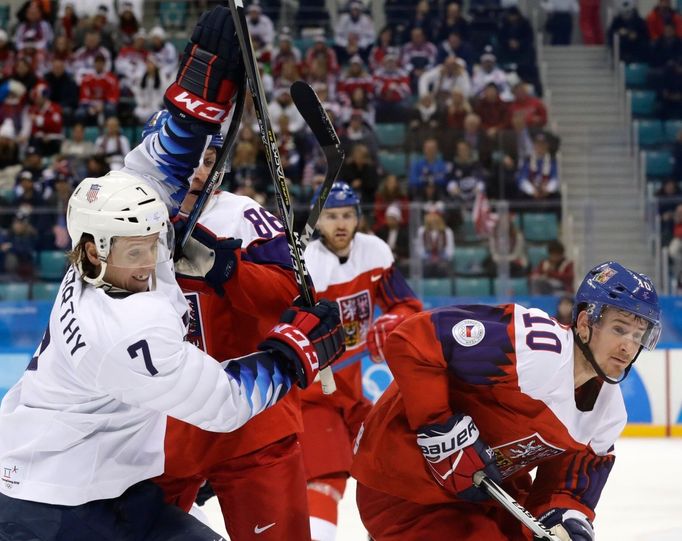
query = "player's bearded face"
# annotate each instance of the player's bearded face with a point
(337, 227)
(132, 262)
(616, 339)
(198, 180)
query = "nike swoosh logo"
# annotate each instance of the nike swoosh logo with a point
(375, 278)
(258, 529)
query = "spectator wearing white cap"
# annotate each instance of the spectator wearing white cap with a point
(441, 80)
(391, 88)
(284, 105)
(396, 235)
(488, 72)
(164, 52)
(260, 25)
(130, 63)
(358, 23)
(148, 91)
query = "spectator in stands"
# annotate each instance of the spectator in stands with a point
(19, 247)
(353, 77)
(96, 166)
(63, 89)
(430, 168)
(99, 93)
(62, 49)
(27, 191)
(390, 192)
(128, 24)
(663, 13)
(260, 25)
(358, 132)
(384, 43)
(533, 109)
(488, 72)
(559, 23)
(507, 247)
(284, 105)
(46, 121)
(423, 18)
(473, 133)
(494, 112)
(516, 39)
(671, 91)
(454, 22)
(77, 149)
(8, 55)
(100, 22)
(360, 171)
(320, 49)
(435, 243)
(392, 89)
(675, 246)
(67, 23)
(441, 80)
(677, 157)
(288, 150)
(457, 108)
(538, 176)
(454, 46)
(564, 310)
(424, 122)
(632, 32)
(58, 201)
(554, 275)
(34, 30)
(164, 52)
(397, 14)
(149, 91)
(395, 233)
(131, 61)
(466, 176)
(666, 48)
(285, 52)
(33, 162)
(356, 23)
(84, 57)
(9, 149)
(25, 74)
(417, 55)
(668, 196)
(112, 144)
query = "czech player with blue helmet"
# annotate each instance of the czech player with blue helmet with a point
(503, 389)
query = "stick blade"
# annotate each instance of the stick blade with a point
(308, 104)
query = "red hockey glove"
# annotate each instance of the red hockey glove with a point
(309, 338)
(211, 70)
(455, 452)
(378, 332)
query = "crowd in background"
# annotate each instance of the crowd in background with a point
(80, 79)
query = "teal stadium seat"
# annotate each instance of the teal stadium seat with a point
(51, 264)
(44, 291)
(469, 260)
(173, 15)
(658, 163)
(516, 286)
(4, 17)
(540, 226)
(390, 135)
(393, 163)
(536, 253)
(643, 103)
(14, 291)
(649, 133)
(472, 287)
(671, 129)
(437, 287)
(91, 133)
(636, 75)
(303, 44)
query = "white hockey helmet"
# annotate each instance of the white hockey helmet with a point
(117, 205)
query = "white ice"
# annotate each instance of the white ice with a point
(642, 500)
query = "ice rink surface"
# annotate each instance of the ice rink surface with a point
(641, 502)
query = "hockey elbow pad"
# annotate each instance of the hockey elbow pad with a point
(568, 524)
(454, 452)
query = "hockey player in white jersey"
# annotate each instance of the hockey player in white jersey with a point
(82, 431)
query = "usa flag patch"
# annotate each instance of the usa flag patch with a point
(91, 195)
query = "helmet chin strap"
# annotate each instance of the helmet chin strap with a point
(587, 352)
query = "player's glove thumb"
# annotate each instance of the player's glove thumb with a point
(568, 524)
(378, 332)
(454, 452)
(309, 338)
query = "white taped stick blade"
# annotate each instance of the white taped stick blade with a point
(327, 381)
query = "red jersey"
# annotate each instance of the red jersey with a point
(96, 87)
(392, 86)
(510, 369)
(46, 121)
(233, 325)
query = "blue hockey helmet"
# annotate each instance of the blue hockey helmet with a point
(158, 120)
(340, 195)
(611, 284)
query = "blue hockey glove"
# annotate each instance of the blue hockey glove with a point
(309, 338)
(454, 452)
(568, 524)
(211, 70)
(208, 258)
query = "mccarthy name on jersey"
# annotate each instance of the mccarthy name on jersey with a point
(510, 369)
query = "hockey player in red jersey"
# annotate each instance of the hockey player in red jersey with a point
(503, 389)
(250, 469)
(357, 271)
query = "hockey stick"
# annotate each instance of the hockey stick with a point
(312, 111)
(215, 177)
(275, 166)
(526, 518)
